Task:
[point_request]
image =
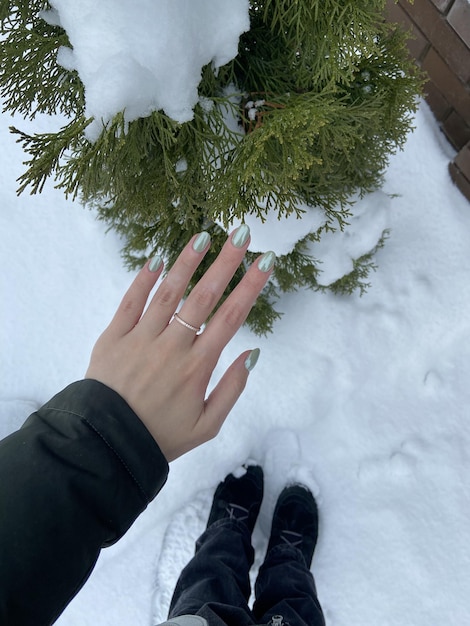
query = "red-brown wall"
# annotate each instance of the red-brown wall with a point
(441, 46)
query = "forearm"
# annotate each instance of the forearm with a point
(73, 479)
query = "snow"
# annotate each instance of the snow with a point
(365, 398)
(374, 389)
(337, 249)
(125, 71)
(122, 70)
(281, 234)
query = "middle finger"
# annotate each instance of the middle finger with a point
(208, 291)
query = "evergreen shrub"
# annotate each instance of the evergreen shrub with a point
(321, 93)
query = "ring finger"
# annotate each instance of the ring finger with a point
(168, 295)
(208, 291)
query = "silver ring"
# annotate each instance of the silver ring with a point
(185, 324)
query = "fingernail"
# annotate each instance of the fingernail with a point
(155, 264)
(252, 359)
(266, 262)
(201, 242)
(240, 236)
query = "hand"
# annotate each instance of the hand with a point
(162, 369)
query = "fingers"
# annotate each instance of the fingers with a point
(208, 291)
(205, 295)
(234, 311)
(171, 291)
(132, 305)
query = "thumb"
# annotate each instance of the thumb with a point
(225, 395)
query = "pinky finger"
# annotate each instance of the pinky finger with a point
(133, 303)
(225, 395)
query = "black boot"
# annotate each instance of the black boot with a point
(295, 521)
(239, 498)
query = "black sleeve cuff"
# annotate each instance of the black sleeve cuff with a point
(121, 430)
(75, 477)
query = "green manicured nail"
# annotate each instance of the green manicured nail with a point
(155, 264)
(266, 262)
(252, 359)
(240, 236)
(201, 242)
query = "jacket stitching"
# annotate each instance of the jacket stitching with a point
(129, 471)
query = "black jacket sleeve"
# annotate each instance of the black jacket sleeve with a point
(72, 480)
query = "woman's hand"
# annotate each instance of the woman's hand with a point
(162, 369)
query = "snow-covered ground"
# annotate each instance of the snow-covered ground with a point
(375, 388)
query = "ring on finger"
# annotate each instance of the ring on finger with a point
(181, 321)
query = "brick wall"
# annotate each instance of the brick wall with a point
(441, 45)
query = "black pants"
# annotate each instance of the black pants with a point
(215, 584)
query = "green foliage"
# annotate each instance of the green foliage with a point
(320, 95)
(31, 80)
(362, 267)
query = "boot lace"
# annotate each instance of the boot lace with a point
(235, 511)
(291, 538)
